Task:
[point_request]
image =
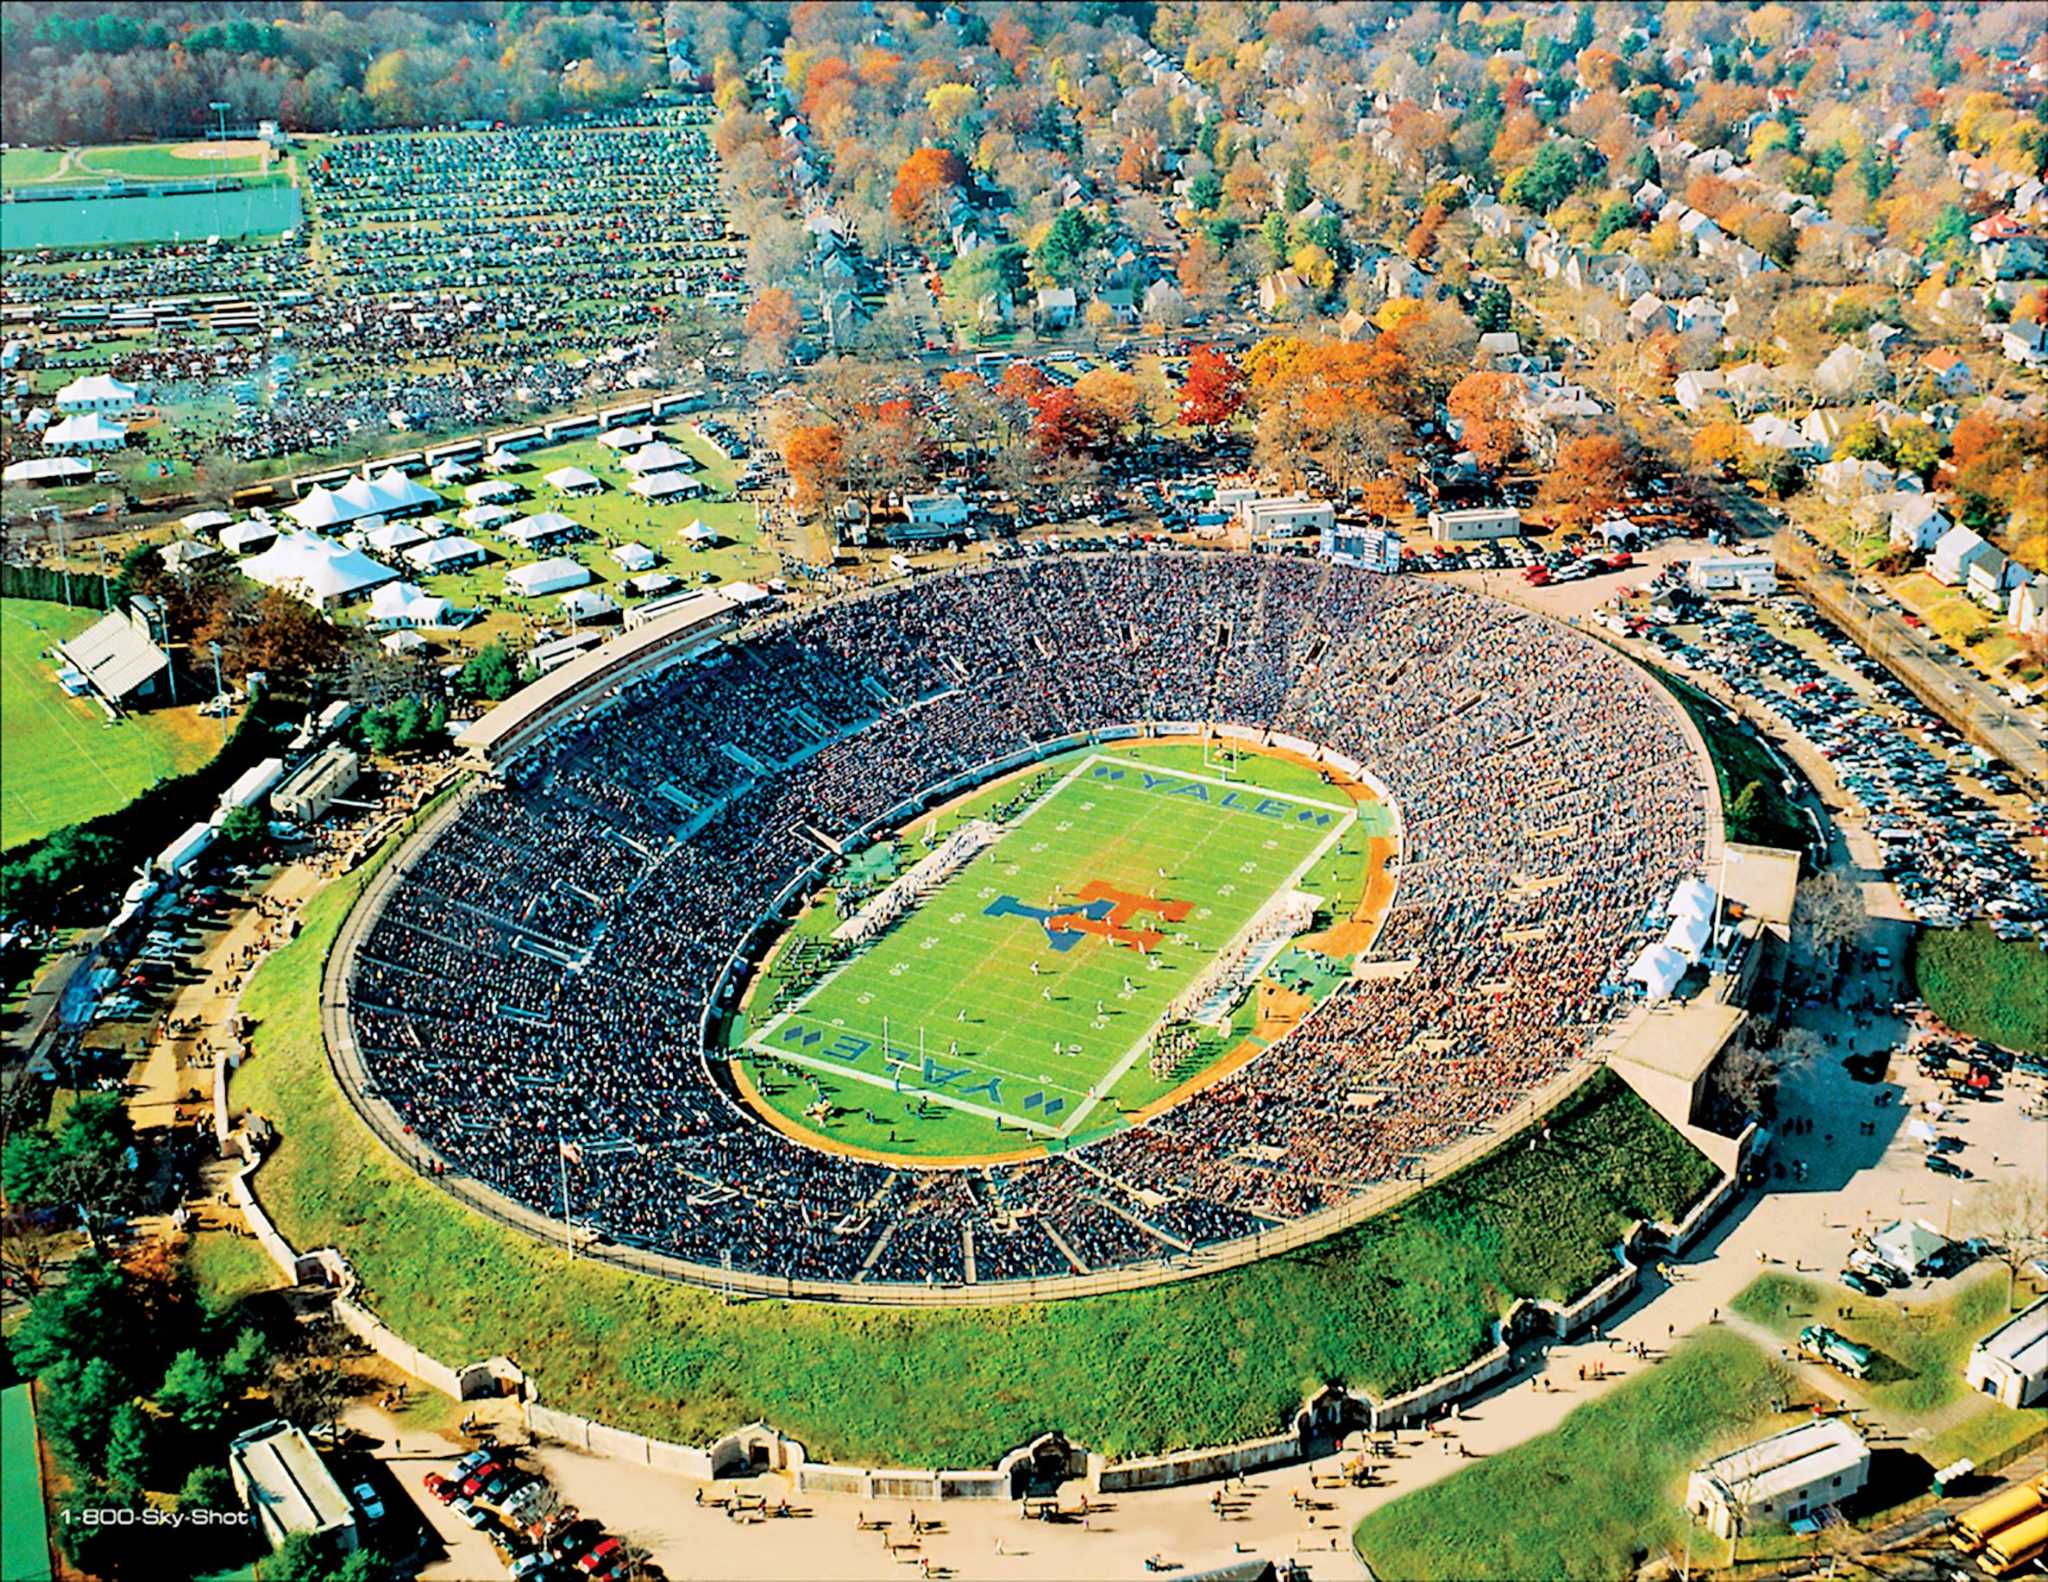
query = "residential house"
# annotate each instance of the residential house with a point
(2026, 343)
(1917, 523)
(2026, 612)
(1649, 314)
(1946, 367)
(1055, 308)
(1164, 303)
(1282, 291)
(1696, 388)
(1955, 554)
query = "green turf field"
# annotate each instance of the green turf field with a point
(25, 1556)
(1019, 992)
(62, 761)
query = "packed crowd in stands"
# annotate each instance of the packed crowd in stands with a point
(540, 975)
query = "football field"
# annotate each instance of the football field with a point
(1026, 986)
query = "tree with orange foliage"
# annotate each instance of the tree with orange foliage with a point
(821, 76)
(1483, 402)
(1201, 269)
(1717, 446)
(815, 456)
(1382, 497)
(1213, 392)
(1139, 164)
(1588, 477)
(773, 324)
(1422, 239)
(922, 182)
(1010, 39)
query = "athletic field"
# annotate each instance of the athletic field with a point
(60, 760)
(1013, 1007)
(26, 1553)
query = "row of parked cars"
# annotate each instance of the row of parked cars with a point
(541, 1539)
(1952, 856)
(1867, 1271)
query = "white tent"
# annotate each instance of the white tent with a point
(666, 486)
(487, 515)
(246, 538)
(1693, 898)
(319, 510)
(698, 536)
(451, 471)
(546, 576)
(96, 393)
(490, 492)
(445, 554)
(502, 460)
(46, 469)
(543, 528)
(392, 537)
(585, 604)
(402, 642)
(1688, 936)
(89, 432)
(204, 521)
(623, 439)
(1908, 1243)
(315, 569)
(574, 480)
(658, 457)
(1658, 970)
(406, 604)
(634, 557)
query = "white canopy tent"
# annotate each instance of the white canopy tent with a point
(1658, 969)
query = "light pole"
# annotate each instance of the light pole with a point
(221, 713)
(220, 109)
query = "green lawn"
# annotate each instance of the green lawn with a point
(63, 761)
(24, 1544)
(614, 517)
(157, 162)
(228, 1268)
(1754, 806)
(1398, 1300)
(23, 167)
(1012, 1026)
(1921, 1346)
(1985, 986)
(1586, 1500)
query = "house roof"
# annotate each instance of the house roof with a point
(115, 655)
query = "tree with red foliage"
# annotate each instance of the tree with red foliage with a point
(921, 182)
(1063, 424)
(1213, 392)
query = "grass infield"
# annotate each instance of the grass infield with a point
(1398, 1300)
(1016, 1002)
(63, 762)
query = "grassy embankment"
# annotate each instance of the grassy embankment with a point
(1383, 1307)
(1588, 1499)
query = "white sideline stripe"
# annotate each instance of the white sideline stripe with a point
(1123, 1066)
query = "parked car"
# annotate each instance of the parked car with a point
(446, 1490)
(1857, 1281)
(472, 1513)
(1941, 1165)
(369, 1501)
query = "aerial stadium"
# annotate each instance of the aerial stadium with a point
(1017, 932)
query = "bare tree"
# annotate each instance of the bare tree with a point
(2013, 1217)
(1830, 908)
(1747, 1072)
